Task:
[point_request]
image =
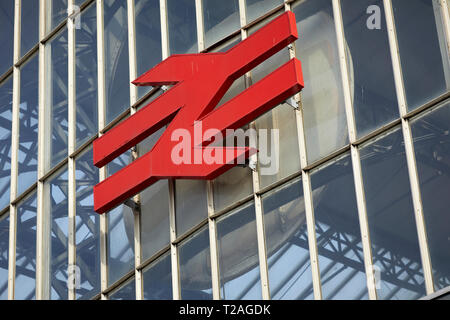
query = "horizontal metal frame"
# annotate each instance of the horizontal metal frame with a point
(6, 75)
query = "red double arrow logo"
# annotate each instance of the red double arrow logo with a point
(200, 81)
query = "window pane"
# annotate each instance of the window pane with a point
(372, 80)
(191, 206)
(148, 37)
(87, 227)
(4, 251)
(116, 58)
(86, 73)
(220, 18)
(158, 280)
(232, 186)
(126, 292)
(30, 25)
(28, 131)
(120, 243)
(393, 233)
(5, 140)
(432, 146)
(287, 243)
(6, 35)
(56, 13)
(25, 285)
(59, 226)
(421, 42)
(257, 8)
(195, 267)
(57, 99)
(182, 26)
(341, 258)
(238, 255)
(323, 104)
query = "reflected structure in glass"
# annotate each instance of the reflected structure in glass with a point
(6, 89)
(220, 18)
(4, 252)
(182, 26)
(56, 12)
(158, 279)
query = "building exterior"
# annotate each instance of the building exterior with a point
(359, 205)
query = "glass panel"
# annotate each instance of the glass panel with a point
(182, 26)
(28, 131)
(6, 35)
(257, 8)
(195, 267)
(220, 18)
(120, 243)
(158, 280)
(56, 11)
(395, 247)
(126, 292)
(290, 276)
(30, 25)
(119, 163)
(432, 146)
(86, 76)
(87, 227)
(57, 98)
(232, 186)
(155, 218)
(323, 103)
(372, 80)
(4, 251)
(341, 258)
(5, 140)
(238, 255)
(191, 206)
(25, 285)
(421, 42)
(59, 226)
(148, 37)
(116, 58)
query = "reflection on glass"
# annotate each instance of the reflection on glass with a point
(120, 243)
(148, 37)
(190, 204)
(374, 95)
(432, 146)
(158, 280)
(6, 89)
(290, 276)
(220, 18)
(57, 98)
(423, 52)
(28, 131)
(119, 163)
(6, 32)
(87, 227)
(341, 259)
(393, 233)
(126, 292)
(195, 267)
(257, 8)
(116, 58)
(56, 11)
(182, 26)
(86, 73)
(322, 99)
(4, 251)
(232, 186)
(57, 189)
(29, 25)
(238, 255)
(25, 285)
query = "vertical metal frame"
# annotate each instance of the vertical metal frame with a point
(356, 160)
(409, 148)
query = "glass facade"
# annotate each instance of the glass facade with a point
(362, 155)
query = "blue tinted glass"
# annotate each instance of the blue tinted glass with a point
(190, 204)
(30, 25)
(126, 292)
(257, 8)
(28, 131)
(158, 280)
(4, 250)
(6, 35)
(182, 26)
(393, 233)
(25, 285)
(57, 12)
(220, 18)
(290, 276)
(5, 140)
(432, 146)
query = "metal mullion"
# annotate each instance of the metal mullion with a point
(356, 159)
(101, 125)
(259, 216)
(306, 183)
(409, 149)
